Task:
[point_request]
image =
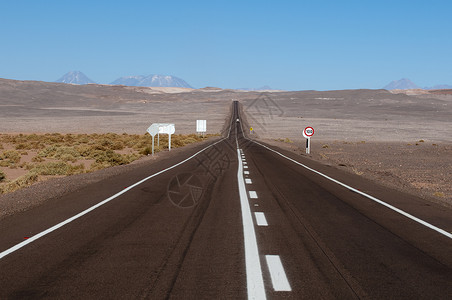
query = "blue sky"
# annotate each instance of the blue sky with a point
(292, 45)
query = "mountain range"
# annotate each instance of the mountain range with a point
(152, 81)
(77, 77)
(406, 84)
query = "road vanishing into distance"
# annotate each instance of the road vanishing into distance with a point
(233, 219)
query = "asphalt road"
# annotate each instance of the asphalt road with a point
(231, 221)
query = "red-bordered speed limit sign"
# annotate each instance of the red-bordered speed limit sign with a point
(308, 132)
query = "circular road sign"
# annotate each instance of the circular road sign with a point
(308, 132)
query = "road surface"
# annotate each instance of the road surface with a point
(234, 220)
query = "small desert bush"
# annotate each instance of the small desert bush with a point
(56, 168)
(63, 153)
(2, 176)
(9, 158)
(439, 194)
(20, 182)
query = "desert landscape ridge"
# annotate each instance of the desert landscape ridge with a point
(398, 138)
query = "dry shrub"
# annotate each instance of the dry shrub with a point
(56, 168)
(20, 182)
(9, 158)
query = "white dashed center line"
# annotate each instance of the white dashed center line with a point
(253, 194)
(254, 279)
(248, 181)
(277, 274)
(246, 172)
(260, 219)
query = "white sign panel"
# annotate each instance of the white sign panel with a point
(153, 129)
(167, 128)
(201, 125)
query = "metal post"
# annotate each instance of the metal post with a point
(153, 145)
(169, 142)
(158, 140)
(308, 146)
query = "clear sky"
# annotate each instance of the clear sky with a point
(292, 45)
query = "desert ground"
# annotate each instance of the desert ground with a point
(399, 138)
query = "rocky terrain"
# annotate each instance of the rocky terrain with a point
(399, 138)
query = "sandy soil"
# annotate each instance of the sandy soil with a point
(372, 133)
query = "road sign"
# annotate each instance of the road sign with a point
(167, 128)
(308, 132)
(201, 125)
(153, 129)
(157, 128)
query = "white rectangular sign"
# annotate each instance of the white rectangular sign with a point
(201, 125)
(167, 128)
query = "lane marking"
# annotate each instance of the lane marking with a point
(244, 162)
(420, 221)
(246, 172)
(61, 224)
(253, 194)
(254, 278)
(248, 181)
(245, 167)
(277, 274)
(260, 219)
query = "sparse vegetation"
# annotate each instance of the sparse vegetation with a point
(286, 140)
(61, 155)
(9, 158)
(20, 182)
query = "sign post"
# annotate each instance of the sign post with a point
(307, 133)
(251, 130)
(157, 128)
(153, 130)
(169, 129)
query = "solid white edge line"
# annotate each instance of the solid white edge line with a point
(254, 279)
(61, 224)
(277, 274)
(439, 230)
(260, 219)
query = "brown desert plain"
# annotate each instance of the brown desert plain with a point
(400, 139)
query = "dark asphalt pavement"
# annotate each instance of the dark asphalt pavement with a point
(182, 234)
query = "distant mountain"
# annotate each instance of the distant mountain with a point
(75, 77)
(402, 84)
(265, 87)
(152, 81)
(439, 87)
